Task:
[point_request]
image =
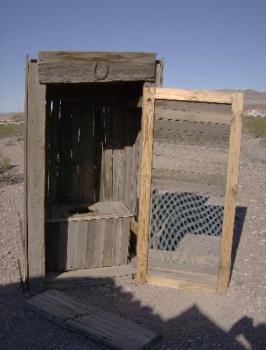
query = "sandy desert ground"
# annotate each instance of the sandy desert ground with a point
(185, 320)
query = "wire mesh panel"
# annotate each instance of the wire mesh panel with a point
(176, 214)
(190, 155)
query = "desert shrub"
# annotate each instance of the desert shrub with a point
(256, 125)
(9, 130)
(5, 163)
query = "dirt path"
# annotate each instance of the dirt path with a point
(186, 320)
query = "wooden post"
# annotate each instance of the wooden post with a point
(25, 170)
(145, 183)
(231, 192)
(35, 170)
(159, 73)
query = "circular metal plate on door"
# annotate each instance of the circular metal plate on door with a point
(101, 70)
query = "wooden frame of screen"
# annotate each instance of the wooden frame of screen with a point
(150, 94)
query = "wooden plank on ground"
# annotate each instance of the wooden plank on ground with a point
(92, 322)
(35, 178)
(84, 67)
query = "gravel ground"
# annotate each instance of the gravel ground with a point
(186, 320)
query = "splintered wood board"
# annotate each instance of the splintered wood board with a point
(92, 322)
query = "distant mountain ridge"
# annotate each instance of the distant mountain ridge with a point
(255, 103)
(253, 99)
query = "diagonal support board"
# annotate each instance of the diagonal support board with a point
(92, 322)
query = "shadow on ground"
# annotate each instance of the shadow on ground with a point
(22, 328)
(9, 176)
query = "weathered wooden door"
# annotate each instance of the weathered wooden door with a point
(189, 176)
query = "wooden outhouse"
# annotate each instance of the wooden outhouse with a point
(113, 158)
(83, 123)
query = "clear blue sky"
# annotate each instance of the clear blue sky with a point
(209, 44)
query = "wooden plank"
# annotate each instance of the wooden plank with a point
(231, 192)
(52, 146)
(129, 127)
(183, 267)
(72, 245)
(145, 183)
(193, 95)
(106, 185)
(118, 253)
(103, 244)
(93, 322)
(90, 244)
(159, 72)
(25, 170)
(124, 249)
(198, 165)
(75, 255)
(82, 244)
(84, 67)
(109, 252)
(184, 137)
(200, 112)
(177, 175)
(186, 154)
(118, 153)
(134, 195)
(100, 227)
(87, 154)
(36, 179)
(174, 186)
(177, 257)
(90, 277)
(99, 210)
(209, 279)
(191, 126)
(181, 283)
